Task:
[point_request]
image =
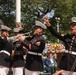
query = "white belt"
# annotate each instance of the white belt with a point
(35, 53)
(5, 52)
(66, 51)
(69, 72)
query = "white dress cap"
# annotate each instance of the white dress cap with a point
(38, 23)
(73, 19)
(3, 27)
(16, 30)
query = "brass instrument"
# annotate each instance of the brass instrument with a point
(14, 39)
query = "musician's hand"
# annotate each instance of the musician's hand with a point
(59, 73)
(13, 53)
(19, 26)
(37, 43)
(24, 48)
(46, 20)
(20, 37)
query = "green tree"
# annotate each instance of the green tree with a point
(7, 12)
(32, 10)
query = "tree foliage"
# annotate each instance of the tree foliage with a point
(7, 10)
(32, 10)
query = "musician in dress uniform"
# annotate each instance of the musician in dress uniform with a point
(17, 57)
(35, 45)
(5, 50)
(68, 60)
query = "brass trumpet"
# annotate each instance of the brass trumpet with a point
(14, 39)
